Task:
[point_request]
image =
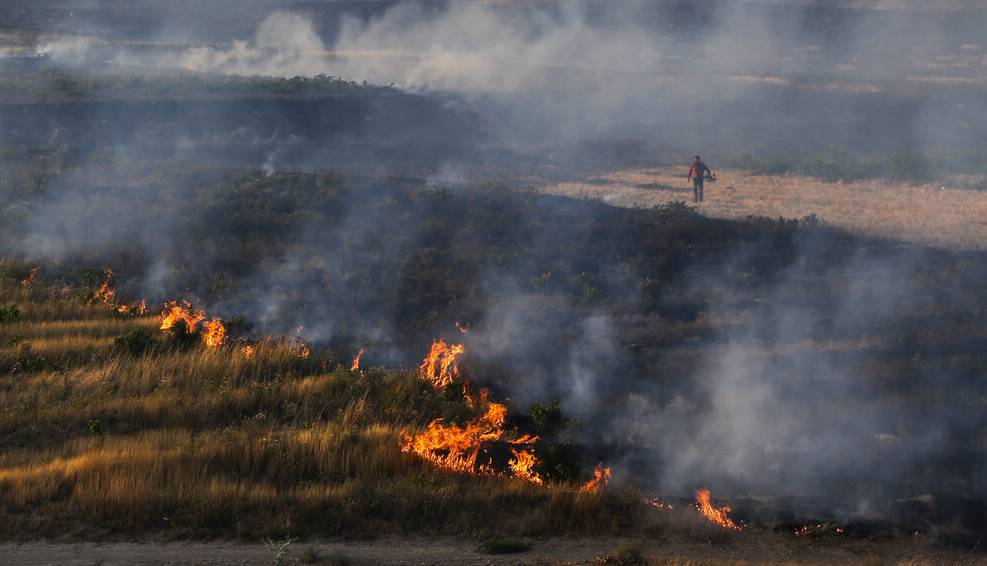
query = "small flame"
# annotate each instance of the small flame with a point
(304, 352)
(356, 360)
(462, 329)
(601, 477)
(654, 502)
(717, 516)
(175, 313)
(213, 333)
(29, 280)
(135, 309)
(105, 293)
(248, 351)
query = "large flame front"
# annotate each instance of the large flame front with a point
(175, 313)
(601, 477)
(717, 516)
(457, 448)
(441, 366)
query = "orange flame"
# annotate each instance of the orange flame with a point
(441, 366)
(356, 360)
(29, 280)
(249, 351)
(213, 333)
(175, 313)
(523, 465)
(601, 477)
(717, 516)
(457, 448)
(304, 352)
(137, 309)
(105, 293)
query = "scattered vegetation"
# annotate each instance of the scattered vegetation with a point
(56, 83)
(904, 165)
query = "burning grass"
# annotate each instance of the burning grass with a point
(253, 440)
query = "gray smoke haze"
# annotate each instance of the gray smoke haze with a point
(757, 75)
(763, 413)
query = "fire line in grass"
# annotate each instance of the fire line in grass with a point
(212, 331)
(470, 447)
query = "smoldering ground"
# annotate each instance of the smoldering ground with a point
(757, 358)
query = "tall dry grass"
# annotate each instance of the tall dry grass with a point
(199, 442)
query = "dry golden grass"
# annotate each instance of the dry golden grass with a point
(201, 443)
(933, 215)
(213, 442)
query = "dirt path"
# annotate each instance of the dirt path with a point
(746, 548)
(932, 215)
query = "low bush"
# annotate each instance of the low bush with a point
(136, 342)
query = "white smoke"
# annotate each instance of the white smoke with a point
(285, 45)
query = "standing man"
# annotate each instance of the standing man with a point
(697, 174)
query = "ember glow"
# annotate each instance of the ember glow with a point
(213, 333)
(356, 360)
(29, 280)
(601, 477)
(463, 329)
(304, 352)
(441, 366)
(657, 504)
(719, 516)
(248, 351)
(174, 313)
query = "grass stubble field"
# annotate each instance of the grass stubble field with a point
(946, 213)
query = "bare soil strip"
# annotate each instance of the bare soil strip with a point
(747, 548)
(935, 215)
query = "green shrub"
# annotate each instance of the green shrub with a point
(135, 342)
(10, 314)
(29, 362)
